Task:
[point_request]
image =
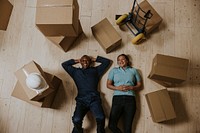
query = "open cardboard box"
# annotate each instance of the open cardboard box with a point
(57, 17)
(106, 35)
(33, 67)
(47, 101)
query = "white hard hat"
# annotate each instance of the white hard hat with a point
(35, 81)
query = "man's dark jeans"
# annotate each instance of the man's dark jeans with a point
(81, 110)
(122, 106)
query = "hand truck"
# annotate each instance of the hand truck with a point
(136, 21)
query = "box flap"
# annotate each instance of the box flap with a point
(19, 93)
(155, 107)
(160, 105)
(167, 104)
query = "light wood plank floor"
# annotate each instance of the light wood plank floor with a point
(178, 36)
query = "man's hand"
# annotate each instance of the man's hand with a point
(93, 59)
(77, 60)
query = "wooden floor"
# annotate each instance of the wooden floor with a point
(22, 42)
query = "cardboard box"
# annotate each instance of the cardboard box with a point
(160, 105)
(153, 22)
(65, 42)
(168, 69)
(5, 13)
(33, 67)
(106, 35)
(47, 101)
(56, 18)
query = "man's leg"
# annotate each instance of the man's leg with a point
(77, 119)
(97, 111)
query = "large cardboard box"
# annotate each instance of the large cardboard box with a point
(168, 69)
(106, 35)
(47, 101)
(33, 67)
(65, 42)
(57, 17)
(153, 22)
(160, 105)
(5, 12)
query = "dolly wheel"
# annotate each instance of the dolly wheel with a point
(138, 38)
(121, 19)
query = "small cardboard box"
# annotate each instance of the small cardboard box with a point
(154, 21)
(5, 13)
(168, 69)
(106, 35)
(65, 42)
(33, 67)
(47, 101)
(57, 17)
(160, 105)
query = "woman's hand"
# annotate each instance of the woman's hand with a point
(122, 88)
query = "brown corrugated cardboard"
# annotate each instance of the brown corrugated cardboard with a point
(47, 101)
(65, 42)
(57, 18)
(160, 105)
(5, 12)
(154, 21)
(33, 67)
(169, 69)
(106, 35)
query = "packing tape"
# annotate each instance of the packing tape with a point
(56, 5)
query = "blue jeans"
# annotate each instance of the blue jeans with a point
(122, 106)
(81, 110)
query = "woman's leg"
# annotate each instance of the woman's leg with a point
(129, 112)
(116, 111)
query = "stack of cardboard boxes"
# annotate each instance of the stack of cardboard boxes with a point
(166, 71)
(5, 12)
(23, 92)
(59, 21)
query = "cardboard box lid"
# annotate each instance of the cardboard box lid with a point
(30, 68)
(160, 105)
(5, 13)
(155, 19)
(105, 33)
(169, 66)
(56, 12)
(47, 101)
